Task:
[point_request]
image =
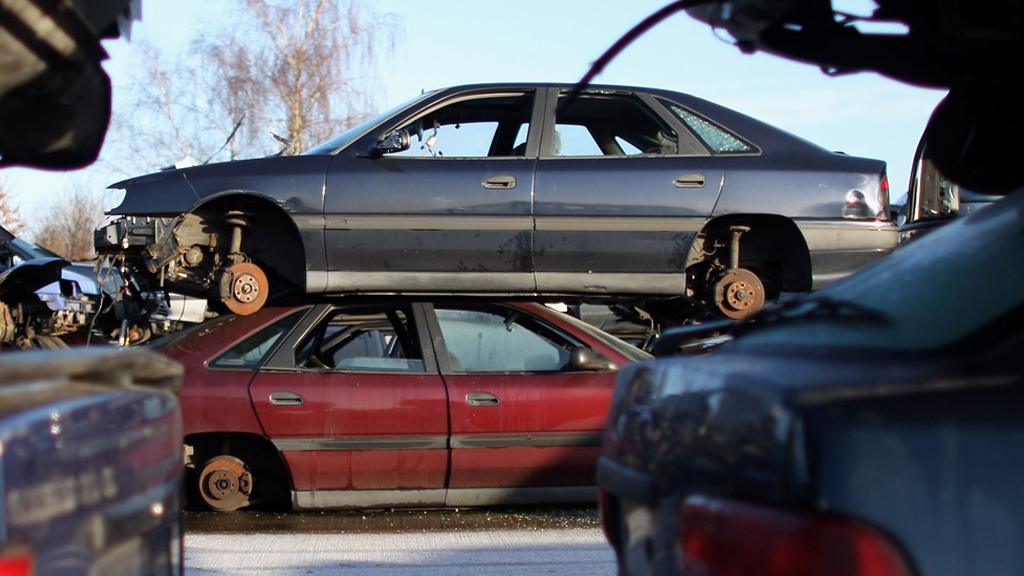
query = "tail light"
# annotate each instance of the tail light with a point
(861, 206)
(724, 538)
(883, 197)
(16, 561)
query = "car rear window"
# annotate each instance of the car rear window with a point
(717, 139)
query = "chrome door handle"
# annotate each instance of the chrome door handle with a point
(500, 182)
(286, 399)
(482, 399)
(689, 181)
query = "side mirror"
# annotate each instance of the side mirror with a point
(583, 358)
(394, 141)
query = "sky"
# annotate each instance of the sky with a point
(449, 42)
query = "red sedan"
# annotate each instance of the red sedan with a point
(395, 403)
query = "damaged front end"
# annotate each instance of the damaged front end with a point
(187, 254)
(29, 319)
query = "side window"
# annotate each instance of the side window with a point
(482, 127)
(574, 140)
(717, 139)
(499, 339)
(364, 339)
(610, 124)
(250, 353)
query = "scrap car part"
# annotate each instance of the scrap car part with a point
(225, 484)
(244, 288)
(738, 293)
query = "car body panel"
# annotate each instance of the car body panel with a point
(433, 206)
(295, 183)
(90, 469)
(213, 404)
(543, 423)
(372, 423)
(588, 223)
(937, 470)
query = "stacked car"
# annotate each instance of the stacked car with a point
(516, 189)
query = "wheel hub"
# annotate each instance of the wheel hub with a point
(225, 484)
(739, 294)
(244, 288)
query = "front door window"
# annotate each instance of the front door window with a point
(364, 339)
(478, 127)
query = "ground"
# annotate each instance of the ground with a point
(527, 541)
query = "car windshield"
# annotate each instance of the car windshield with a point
(347, 137)
(971, 263)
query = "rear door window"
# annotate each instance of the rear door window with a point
(610, 124)
(364, 339)
(501, 339)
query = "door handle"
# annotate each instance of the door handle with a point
(482, 399)
(500, 182)
(286, 399)
(689, 181)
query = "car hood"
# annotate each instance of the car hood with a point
(23, 280)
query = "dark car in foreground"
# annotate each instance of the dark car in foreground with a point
(873, 427)
(90, 464)
(515, 189)
(366, 403)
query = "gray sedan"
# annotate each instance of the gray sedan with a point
(512, 189)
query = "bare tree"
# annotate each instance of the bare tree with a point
(300, 69)
(67, 226)
(9, 217)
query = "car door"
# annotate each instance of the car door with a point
(524, 426)
(450, 212)
(356, 408)
(622, 188)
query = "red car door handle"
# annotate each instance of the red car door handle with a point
(285, 399)
(482, 399)
(500, 182)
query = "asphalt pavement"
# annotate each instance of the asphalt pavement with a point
(524, 541)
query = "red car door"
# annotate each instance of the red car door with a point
(525, 425)
(361, 417)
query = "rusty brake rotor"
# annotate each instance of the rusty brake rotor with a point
(739, 294)
(244, 288)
